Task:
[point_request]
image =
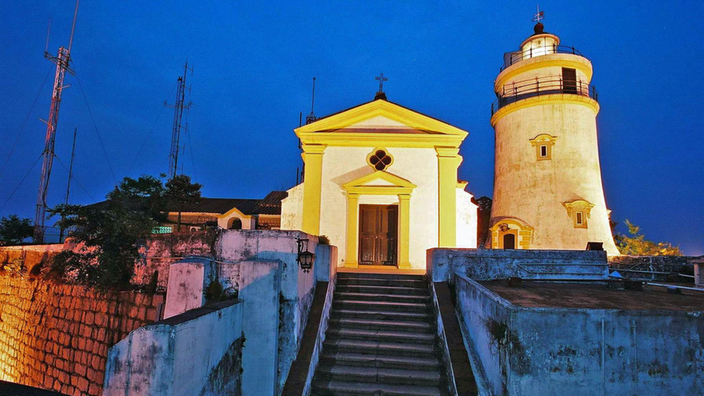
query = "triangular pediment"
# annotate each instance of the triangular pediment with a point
(379, 182)
(380, 117)
(379, 122)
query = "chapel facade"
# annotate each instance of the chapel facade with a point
(380, 181)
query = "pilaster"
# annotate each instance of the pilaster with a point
(312, 186)
(448, 162)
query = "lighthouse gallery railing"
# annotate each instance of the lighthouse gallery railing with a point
(511, 58)
(518, 90)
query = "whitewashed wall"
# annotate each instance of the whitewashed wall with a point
(419, 166)
(466, 220)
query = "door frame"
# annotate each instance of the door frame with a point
(397, 186)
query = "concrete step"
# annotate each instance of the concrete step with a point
(337, 345)
(379, 375)
(380, 306)
(381, 315)
(344, 388)
(343, 295)
(396, 290)
(413, 283)
(380, 361)
(352, 275)
(383, 336)
(376, 324)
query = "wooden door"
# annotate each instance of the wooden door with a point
(569, 80)
(509, 241)
(378, 225)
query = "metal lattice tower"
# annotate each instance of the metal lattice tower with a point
(62, 61)
(179, 107)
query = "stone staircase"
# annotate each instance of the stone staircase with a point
(381, 339)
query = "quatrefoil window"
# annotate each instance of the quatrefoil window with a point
(380, 160)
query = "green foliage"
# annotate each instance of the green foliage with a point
(13, 230)
(214, 291)
(181, 191)
(323, 240)
(108, 236)
(15, 266)
(483, 218)
(637, 245)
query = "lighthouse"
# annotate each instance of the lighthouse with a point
(548, 192)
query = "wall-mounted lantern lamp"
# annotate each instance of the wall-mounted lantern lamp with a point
(305, 258)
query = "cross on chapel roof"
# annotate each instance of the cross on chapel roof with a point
(381, 94)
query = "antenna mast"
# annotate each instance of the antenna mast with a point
(179, 106)
(62, 61)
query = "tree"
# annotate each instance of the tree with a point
(14, 230)
(108, 235)
(181, 191)
(637, 245)
(484, 217)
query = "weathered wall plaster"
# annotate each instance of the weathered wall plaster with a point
(195, 353)
(189, 279)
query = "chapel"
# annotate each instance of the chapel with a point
(380, 181)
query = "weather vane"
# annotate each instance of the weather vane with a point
(381, 80)
(539, 15)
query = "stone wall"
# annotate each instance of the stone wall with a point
(57, 336)
(158, 253)
(654, 263)
(163, 250)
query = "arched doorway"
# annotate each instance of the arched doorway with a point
(510, 233)
(236, 224)
(509, 241)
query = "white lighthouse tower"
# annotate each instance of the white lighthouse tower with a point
(547, 180)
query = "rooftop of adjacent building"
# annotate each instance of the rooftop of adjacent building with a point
(269, 205)
(595, 295)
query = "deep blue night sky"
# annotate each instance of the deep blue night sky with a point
(254, 61)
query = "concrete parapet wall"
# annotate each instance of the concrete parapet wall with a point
(528, 351)
(487, 264)
(57, 337)
(195, 353)
(163, 250)
(325, 265)
(296, 288)
(261, 267)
